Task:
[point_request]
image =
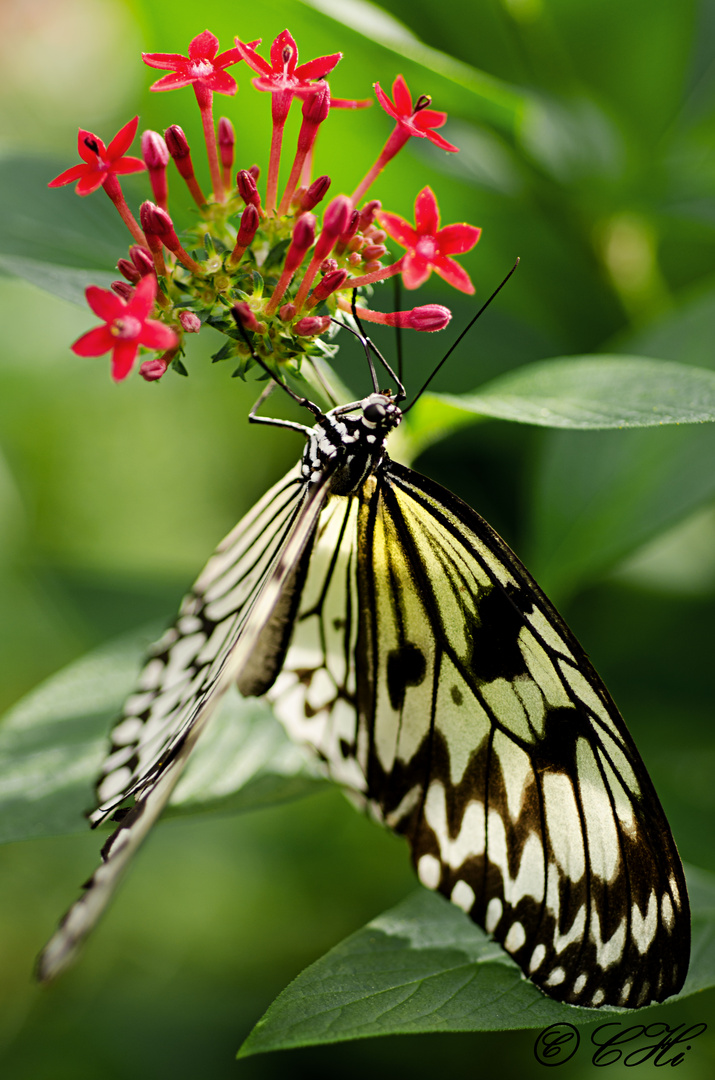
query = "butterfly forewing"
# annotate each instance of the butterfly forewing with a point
(478, 729)
(219, 631)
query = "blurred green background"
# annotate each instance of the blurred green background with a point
(589, 152)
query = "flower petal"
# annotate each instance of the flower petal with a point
(399, 229)
(426, 213)
(457, 238)
(441, 143)
(453, 273)
(85, 151)
(143, 300)
(122, 140)
(91, 181)
(128, 165)
(316, 69)
(173, 81)
(415, 271)
(156, 335)
(104, 303)
(385, 102)
(402, 96)
(221, 83)
(285, 40)
(123, 358)
(252, 58)
(69, 175)
(94, 342)
(429, 118)
(224, 59)
(169, 61)
(204, 46)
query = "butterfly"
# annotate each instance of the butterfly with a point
(399, 638)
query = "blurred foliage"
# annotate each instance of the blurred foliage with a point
(586, 135)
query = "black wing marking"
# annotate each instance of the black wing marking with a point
(451, 696)
(218, 635)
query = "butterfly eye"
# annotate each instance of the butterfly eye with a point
(374, 412)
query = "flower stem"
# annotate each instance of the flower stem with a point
(378, 275)
(280, 105)
(112, 188)
(205, 100)
(393, 146)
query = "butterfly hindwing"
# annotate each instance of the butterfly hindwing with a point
(479, 730)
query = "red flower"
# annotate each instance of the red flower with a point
(413, 121)
(428, 246)
(283, 74)
(100, 161)
(127, 326)
(202, 66)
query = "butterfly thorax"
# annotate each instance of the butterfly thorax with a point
(350, 447)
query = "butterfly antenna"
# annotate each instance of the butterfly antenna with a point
(304, 401)
(371, 349)
(397, 287)
(466, 330)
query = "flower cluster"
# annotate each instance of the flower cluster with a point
(286, 264)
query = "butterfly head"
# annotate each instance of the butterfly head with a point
(380, 412)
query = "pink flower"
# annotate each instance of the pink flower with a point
(127, 326)
(202, 67)
(417, 121)
(429, 247)
(100, 162)
(283, 73)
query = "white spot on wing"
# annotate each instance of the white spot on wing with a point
(556, 977)
(429, 871)
(644, 927)
(564, 824)
(463, 896)
(493, 915)
(515, 938)
(113, 784)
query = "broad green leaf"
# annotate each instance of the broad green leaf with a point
(599, 496)
(52, 743)
(67, 282)
(578, 392)
(499, 102)
(425, 966)
(55, 225)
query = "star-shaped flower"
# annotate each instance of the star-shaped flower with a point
(284, 73)
(418, 120)
(429, 247)
(202, 67)
(127, 326)
(100, 162)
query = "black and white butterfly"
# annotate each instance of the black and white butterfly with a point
(401, 639)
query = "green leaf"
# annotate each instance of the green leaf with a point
(53, 741)
(67, 282)
(425, 966)
(597, 497)
(586, 393)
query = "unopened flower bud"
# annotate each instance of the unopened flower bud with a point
(243, 313)
(332, 281)
(176, 143)
(255, 171)
(354, 258)
(348, 233)
(142, 259)
(155, 221)
(226, 142)
(123, 289)
(151, 370)
(247, 188)
(367, 214)
(315, 193)
(317, 106)
(249, 225)
(154, 150)
(335, 221)
(371, 266)
(190, 322)
(303, 237)
(128, 270)
(327, 265)
(373, 252)
(312, 325)
(287, 312)
(429, 317)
